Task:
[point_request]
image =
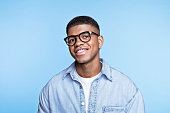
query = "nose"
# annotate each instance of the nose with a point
(78, 42)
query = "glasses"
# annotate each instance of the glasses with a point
(84, 37)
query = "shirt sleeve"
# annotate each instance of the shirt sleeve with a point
(43, 106)
(136, 104)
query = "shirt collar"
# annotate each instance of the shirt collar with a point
(70, 71)
(105, 70)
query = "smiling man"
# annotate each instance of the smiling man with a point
(89, 85)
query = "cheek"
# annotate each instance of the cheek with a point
(95, 44)
(71, 50)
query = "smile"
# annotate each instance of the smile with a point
(81, 51)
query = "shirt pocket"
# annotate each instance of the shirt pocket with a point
(113, 109)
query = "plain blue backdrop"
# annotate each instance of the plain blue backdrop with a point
(32, 50)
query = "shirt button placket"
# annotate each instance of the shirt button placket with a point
(82, 100)
(93, 97)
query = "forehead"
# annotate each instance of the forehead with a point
(81, 28)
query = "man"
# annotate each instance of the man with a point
(89, 85)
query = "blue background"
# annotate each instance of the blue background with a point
(136, 42)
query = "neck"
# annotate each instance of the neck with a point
(88, 70)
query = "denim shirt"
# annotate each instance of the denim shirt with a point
(112, 92)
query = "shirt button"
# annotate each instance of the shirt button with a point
(82, 103)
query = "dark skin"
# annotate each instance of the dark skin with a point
(88, 60)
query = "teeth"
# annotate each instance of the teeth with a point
(81, 50)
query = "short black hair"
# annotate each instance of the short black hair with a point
(82, 20)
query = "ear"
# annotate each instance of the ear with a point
(100, 41)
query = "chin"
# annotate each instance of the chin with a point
(82, 61)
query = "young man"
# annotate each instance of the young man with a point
(89, 85)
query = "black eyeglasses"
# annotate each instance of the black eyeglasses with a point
(84, 37)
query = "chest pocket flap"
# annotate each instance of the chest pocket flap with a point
(113, 109)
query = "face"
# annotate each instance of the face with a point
(85, 52)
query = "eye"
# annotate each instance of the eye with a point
(70, 40)
(85, 36)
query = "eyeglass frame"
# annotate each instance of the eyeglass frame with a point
(90, 32)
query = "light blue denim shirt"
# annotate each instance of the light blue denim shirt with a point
(112, 92)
